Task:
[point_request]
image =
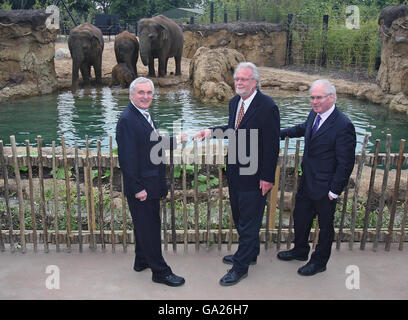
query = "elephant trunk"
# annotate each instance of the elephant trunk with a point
(145, 51)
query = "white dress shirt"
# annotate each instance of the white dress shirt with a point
(247, 102)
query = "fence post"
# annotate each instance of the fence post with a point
(225, 15)
(289, 41)
(237, 14)
(191, 20)
(212, 12)
(323, 58)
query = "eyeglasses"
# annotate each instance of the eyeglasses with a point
(318, 98)
(242, 79)
(142, 93)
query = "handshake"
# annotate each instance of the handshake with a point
(199, 135)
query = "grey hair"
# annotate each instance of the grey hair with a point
(132, 86)
(255, 73)
(328, 86)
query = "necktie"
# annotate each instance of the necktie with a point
(316, 125)
(240, 115)
(149, 119)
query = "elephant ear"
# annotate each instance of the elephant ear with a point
(164, 32)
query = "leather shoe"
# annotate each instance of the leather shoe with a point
(140, 267)
(290, 255)
(232, 277)
(229, 260)
(310, 269)
(171, 280)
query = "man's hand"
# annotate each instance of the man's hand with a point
(202, 134)
(182, 137)
(142, 195)
(265, 186)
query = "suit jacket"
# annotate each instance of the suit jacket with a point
(329, 154)
(263, 115)
(134, 147)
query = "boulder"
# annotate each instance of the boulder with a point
(62, 53)
(393, 73)
(212, 71)
(26, 54)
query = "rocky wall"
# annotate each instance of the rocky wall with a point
(26, 54)
(261, 43)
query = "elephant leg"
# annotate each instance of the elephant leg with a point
(151, 68)
(134, 65)
(162, 65)
(75, 76)
(165, 66)
(177, 59)
(98, 74)
(86, 74)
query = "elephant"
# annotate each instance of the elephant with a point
(122, 75)
(85, 42)
(127, 50)
(160, 37)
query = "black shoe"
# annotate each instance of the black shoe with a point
(140, 267)
(229, 260)
(310, 269)
(171, 280)
(232, 277)
(290, 255)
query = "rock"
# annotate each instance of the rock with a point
(262, 43)
(62, 53)
(26, 54)
(211, 73)
(393, 73)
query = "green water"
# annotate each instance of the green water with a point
(95, 114)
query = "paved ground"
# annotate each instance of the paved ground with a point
(97, 275)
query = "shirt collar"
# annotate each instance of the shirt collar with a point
(326, 114)
(142, 111)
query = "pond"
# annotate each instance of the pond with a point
(95, 114)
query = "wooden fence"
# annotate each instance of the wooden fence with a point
(64, 203)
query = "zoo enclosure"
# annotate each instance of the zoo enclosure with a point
(37, 212)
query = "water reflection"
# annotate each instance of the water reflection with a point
(95, 112)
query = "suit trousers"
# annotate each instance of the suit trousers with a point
(248, 209)
(146, 224)
(303, 215)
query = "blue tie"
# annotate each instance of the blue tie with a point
(316, 125)
(149, 119)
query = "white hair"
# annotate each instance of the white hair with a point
(327, 85)
(132, 86)
(255, 73)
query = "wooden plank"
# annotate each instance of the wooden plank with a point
(356, 190)
(316, 233)
(91, 215)
(78, 192)
(67, 193)
(196, 211)
(19, 194)
(282, 195)
(42, 193)
(165, 239)
(31, 195)
(112, 207)
(100, 197)
(395, 197)
(220, 161)
(382, 198)
(294, 191)
(184, 185)
(208, 161)
(370, 195)
(343, 216)
(172, 203)
(55, 207)
(404, 221)
(124, 217)
(6, 196)
(274, 199)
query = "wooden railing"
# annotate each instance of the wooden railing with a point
(87, 182)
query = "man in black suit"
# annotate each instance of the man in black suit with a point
(144, 180)
(328, 160)
(253, 150)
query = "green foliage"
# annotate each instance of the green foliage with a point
(5, 5)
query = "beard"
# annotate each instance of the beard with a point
(243, 93)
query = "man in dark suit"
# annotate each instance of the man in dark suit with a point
(253, 150)
(144, 180)
(328, 160)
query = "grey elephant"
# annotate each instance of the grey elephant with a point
(127, 50)
(160, 37)
(85, 42)
(122, 75)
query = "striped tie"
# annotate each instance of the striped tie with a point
(240, 115)
(149, 119)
